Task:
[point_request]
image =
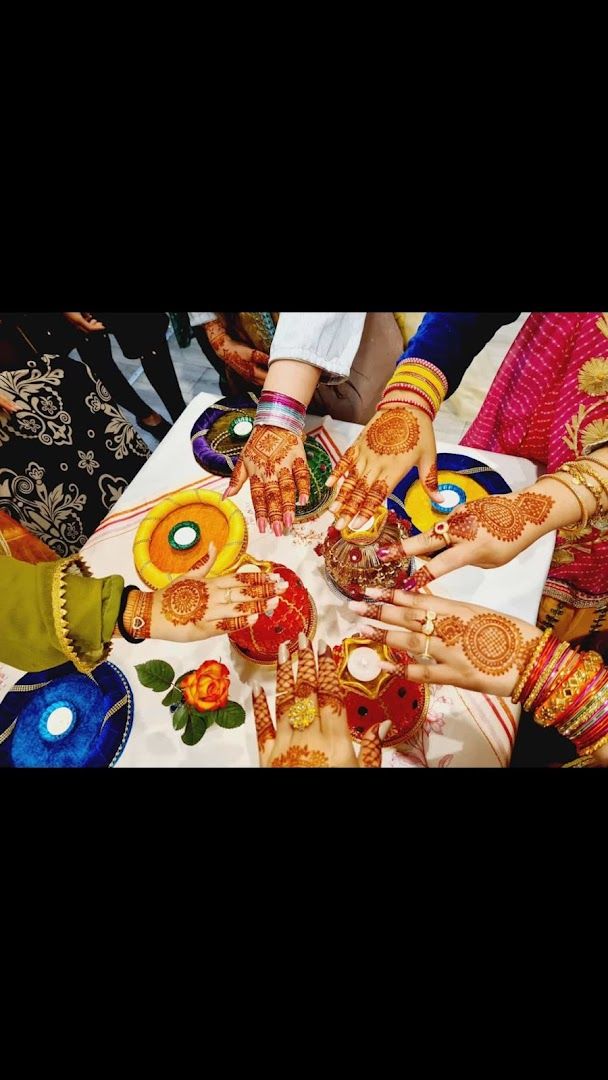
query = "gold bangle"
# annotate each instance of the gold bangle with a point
(544, 675)
(571, 729)
(584, 515)
(415, 382)
(424, 373)
(585, 467)
(596, 746)
(527, 671)
(595, 462)
(579, 477)
(403, 375)
(548, 713)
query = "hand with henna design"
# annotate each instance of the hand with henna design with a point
(470, 646)
(275, 463)
(250, 363)
(395, 439)
(194, 607)
(311, 729)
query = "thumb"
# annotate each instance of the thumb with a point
(237, 479)
(202, 568)
(449, 560)
(427, 471)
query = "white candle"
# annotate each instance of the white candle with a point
(364, 664)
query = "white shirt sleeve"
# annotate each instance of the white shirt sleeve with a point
(326, 339)
(198, 318)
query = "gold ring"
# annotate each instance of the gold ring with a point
(302, 714)
(426, 657)
(229, 595)
(429, 624)
(441, 529)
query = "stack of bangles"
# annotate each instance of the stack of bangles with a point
(567, 690)
(134, 614)
(417, 377)
(581, 473)
(279, 410)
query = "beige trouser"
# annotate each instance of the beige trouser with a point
(356, 398)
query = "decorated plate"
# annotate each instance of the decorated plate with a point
(463, 479)
(60, 718)
(175, 535)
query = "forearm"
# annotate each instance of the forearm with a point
(294, 378)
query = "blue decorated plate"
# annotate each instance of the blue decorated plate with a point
(60, 718)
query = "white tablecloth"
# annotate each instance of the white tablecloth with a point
(461, 728)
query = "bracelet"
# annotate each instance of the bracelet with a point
(583, 466)
(556, 704)
(584, 515)
(589, 712)
(415, 390)
(581, 479)
(596, 462)
(128, 589)
(559, 676)
(596, 746)
(547, 676)
(571, 722)
(417, 382)
(142, 617)
(280, 410)
(425, 364)
(537, 650)
(404, 401)
(408, 389)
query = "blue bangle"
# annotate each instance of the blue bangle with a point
(462, 498)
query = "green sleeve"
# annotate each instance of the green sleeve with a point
(28, 639)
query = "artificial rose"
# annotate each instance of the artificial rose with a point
(207, 687)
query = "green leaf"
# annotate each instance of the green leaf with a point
(180, 717)
(233, 715)
(155, 674)
(195, 728)
(174, 697)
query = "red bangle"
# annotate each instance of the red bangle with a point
(403, 401)
(415, 390)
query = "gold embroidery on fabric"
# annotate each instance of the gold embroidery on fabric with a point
(60, 614)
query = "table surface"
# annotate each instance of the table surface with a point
(461, 728)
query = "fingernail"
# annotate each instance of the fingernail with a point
(330, 483)
(227, 493)
(340, 523)
(211, 550)
(252, 619)
(277, 528)
(410, 585)
(277, 577)
(438, 496)
(256, 689)
(358, 606)
(283, 653)
(334, 506)
(302, 641)
(272, 605)
(261, 524)
(281, 586)
(321, 646)
(389, 551)
(303, 500)
(288, 519)
(384, 729)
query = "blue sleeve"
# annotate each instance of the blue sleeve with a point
(452, 339)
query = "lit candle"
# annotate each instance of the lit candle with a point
(364, 664)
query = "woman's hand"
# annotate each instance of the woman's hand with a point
(83, 321)
(470, 646)
(192, 608)
(393, 441)
(275, 463)
(311, 727)
(486, 533)
(252, 364)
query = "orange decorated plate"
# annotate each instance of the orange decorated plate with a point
(175, 536)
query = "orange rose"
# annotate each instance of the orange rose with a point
(207, 688)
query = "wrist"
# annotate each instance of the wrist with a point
(295, 378)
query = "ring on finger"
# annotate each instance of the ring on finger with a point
(426, 657)
(441, 530)
(302, 714)
(428, 627)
